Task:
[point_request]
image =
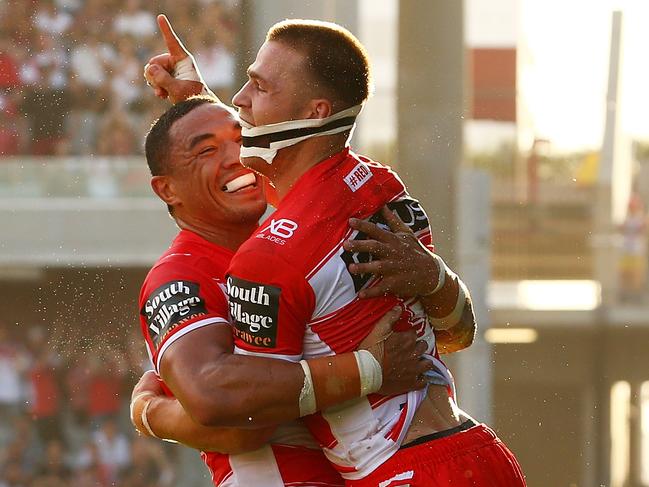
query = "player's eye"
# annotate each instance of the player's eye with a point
(207, 150)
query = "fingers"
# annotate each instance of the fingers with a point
(395, 223)
(420, 348)
(174, 45)
(373, 292)
(371, 229)
(385, 324)
(159, 78)
(373, 247)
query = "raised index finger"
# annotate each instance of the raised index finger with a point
(174, 45)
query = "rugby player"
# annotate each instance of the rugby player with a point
(193, 154)
(305, 89)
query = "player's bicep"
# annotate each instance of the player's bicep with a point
(184, 363)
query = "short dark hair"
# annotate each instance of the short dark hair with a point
(334, 56)
(156, 144)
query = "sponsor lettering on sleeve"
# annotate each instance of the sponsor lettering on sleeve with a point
(169, 306)
(254, 309)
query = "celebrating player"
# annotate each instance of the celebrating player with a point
(305, 89)
(193, 154)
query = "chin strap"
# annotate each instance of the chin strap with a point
(265, 140)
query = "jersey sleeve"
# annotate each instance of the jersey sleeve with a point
(175, 300)
(270, 303)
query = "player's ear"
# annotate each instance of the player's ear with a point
(320, 108)
(165, 189)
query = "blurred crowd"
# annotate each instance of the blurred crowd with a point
(71, 70)
(64, 417)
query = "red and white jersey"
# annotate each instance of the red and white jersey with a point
(185, 291)
(291, 296)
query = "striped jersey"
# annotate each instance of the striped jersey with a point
(184, 291)
(291, 297)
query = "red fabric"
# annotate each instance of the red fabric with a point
(46, 392)
(472, 458)
(9, 138)
(9, 75)
(104, 392)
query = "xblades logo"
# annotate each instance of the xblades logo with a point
(282, 228)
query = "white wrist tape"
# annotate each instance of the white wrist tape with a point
(307, 400)
(145, 420)
(454, 316)
(134, 401)
(441, 276)
(186, 70)
(370, 372)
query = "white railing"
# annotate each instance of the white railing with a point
(93, 177)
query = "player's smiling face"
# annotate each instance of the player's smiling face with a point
(209, 183)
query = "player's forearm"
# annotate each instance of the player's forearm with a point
(168, 420)
(239, 390)
(459, 336)
(447, 305)
(244, 391)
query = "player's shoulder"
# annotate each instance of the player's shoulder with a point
(188, 259)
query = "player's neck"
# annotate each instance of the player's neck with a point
(228, 236)
(293, 162)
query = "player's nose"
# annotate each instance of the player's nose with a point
(241, 98)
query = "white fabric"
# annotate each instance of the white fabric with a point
(256, 468)
(269, 153)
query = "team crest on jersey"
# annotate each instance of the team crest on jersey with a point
(254, 309)
(410, 212)
(358, 176)
(170, 305)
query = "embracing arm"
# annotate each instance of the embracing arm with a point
(410, 269)
(156, 415)
(248, 391)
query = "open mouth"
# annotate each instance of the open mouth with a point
(237, 184)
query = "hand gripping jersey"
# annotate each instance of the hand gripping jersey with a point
(291, 296)
(183, 292)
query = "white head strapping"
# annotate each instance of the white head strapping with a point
(265, 140)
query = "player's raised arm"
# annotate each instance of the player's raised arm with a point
(410, 269)
(174, 74)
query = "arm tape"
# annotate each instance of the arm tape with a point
(147, 425)
(441, 277)
(454, 316)
(307, 400)
(187, 70)
(332, 380)
(145, 420)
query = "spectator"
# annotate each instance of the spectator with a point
(13, 364)
(105, 388)
(135, 21)
(633, 261)
(114, 449)
(150, 466)
(50, 20)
